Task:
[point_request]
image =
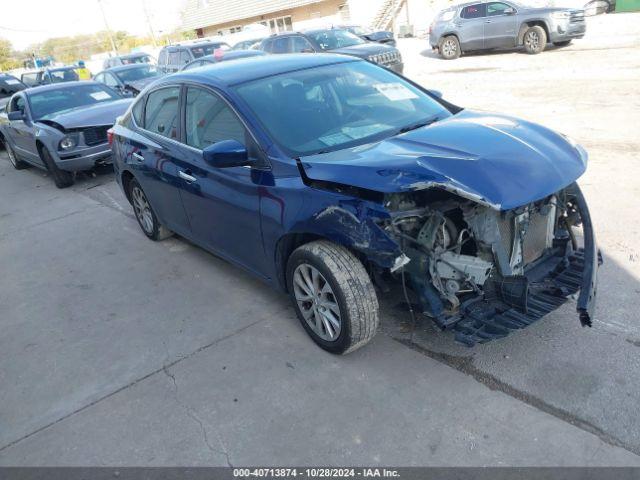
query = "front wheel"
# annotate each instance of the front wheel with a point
(449, 48)
(333, 296)
(145, 215)
(535, 39)
(61, 178)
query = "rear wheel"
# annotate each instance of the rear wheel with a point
(17, 163)
(61, 178)
(449, 48)
(145, 215)
(535, 39)
(333, 296)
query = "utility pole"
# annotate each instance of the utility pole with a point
(146, 14)
(106, 24)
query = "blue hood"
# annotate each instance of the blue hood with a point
(492, 159)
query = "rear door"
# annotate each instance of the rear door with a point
(155, 156)
(500, 26)
(222, 204)
(470, 26)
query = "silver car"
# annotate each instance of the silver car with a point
(506, 24)
(61, 128)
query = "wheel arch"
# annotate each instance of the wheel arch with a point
(125, 177)
(532, 23)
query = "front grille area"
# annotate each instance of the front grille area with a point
(95, 135)
(386, 59)
(576, 17)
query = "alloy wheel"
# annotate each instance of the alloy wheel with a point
(142, 209)
(449, 48)
(532, 40)
(317, 302)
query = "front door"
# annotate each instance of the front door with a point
(471, 26)
(22, 131)
(222, 204)
(155, 157)
(500, 27)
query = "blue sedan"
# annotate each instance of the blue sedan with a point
(335, 179)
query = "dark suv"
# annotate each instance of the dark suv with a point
(173, 57)
(334, 41)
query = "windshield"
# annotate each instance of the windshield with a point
(9, 85)
(209, 49)
(132, 60)
(337, 106)
(133, 74)
(332, 39)
(358, 30)
(48, 103)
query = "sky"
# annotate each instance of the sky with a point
(24, 22)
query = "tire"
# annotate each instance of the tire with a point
(17, 163)
(449, 48)
(342, 317)
(562, 44)
(61, 178)
(535, 39)
(145, 215)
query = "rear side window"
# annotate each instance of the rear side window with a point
(161, 114)
(477, 10)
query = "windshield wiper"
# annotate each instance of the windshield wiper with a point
(415, 126)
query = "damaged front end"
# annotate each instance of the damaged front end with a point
(483, 272)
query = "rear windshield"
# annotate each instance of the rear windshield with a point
(65, 75)
(209, 49)
(133, 60)
(48, 103)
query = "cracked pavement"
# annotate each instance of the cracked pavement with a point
(121, 351)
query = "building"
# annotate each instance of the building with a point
(224, 17)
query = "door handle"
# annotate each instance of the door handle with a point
(186, 177)
(138, 157)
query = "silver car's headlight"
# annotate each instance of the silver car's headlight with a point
(68, 142)
(561, 15)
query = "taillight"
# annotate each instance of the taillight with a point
(110, 136)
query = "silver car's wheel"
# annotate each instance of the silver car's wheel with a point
(142, 209)
(317, 302)
(450, 48)
(535, 39)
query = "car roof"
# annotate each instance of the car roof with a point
(252, 68)
(59, 86)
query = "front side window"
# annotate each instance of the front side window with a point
(161, 112)
(337, 106)
(333, 39)
(209, 120)
(477, 10)
(48, 103)
(497, 8)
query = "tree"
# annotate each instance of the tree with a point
(7, 57)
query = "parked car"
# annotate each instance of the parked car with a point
(222, 56)
(130, 59)
(325, 175)
(379, 36)
(247, 44)
(8, 86)
(505, 24)
(598, 7)
(61, 128)
(334, 41)
(129, 80)
(47, 76)
(173, 57)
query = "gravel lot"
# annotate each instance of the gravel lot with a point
(120, 351)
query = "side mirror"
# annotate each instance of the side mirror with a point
(509, 11)
(227, 153)
(16, 116)
(435, 93)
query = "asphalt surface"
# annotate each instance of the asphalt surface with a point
(120, 351)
